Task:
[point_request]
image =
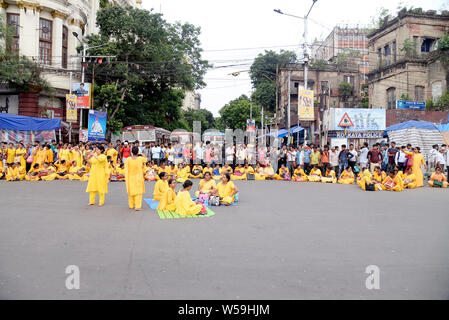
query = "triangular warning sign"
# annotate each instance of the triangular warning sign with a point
(345, 121)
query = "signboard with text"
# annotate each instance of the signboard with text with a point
(82, 92)
(97, 126)
(71, 110)
(362, 119)
(414, 105)
(305, 105)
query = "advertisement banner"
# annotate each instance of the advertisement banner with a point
(362, 119)
(97, 126)
(82, 92)
(250, 125)
(71, 110)
(83, 135)
(305, 105)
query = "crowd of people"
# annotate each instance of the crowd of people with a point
(381, 167)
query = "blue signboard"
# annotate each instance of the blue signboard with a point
(356, 134)
(362, 119)
(415, 105)
(97, 126)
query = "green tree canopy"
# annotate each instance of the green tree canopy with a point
(155, 63)
(234, 114)
(263, 76)
(205, 116)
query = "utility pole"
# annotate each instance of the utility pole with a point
(277, 98)
(288, 107)
(306, 55)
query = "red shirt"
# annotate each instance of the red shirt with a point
(126, 152)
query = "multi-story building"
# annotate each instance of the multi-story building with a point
(192, 101)
(43, 32)
(344, 39)
(404, 60)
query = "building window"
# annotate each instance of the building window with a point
(391, 98)
(394, 50)
(379, 56)
(65, 38)
(340, 37)
(45, 36)
(426, 45)
(14, 23)
(436, 91)
(419, 93)
(324, 87)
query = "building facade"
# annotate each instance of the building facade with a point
(344, 39)
(404, 60)
(325, 83)
(43, 32)
(192, 101)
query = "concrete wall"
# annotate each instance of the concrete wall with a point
(398, 116)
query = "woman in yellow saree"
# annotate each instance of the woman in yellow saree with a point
(393, 182)
(259, 175)
(98, 179)
(226, 190)
(206, 185)
(239, 173)
(418, 164)
(299, 175)
(409, 179)
(184, 204)
(315, 174)
(167, 202)
(438, 179)
(197, 172)
(329, 177)
(347, 176)
(160, 186)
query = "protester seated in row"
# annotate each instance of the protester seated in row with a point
(160, 187)
(409, 179)
(284, 173)
(269, 173)
(2, 169)
(329, 177)
(197, 172)
(167, 202)
(184, 204)
(217, 172)
(437, 179)
(315, 174)
(346, 177)
(259, 174)
(239, 173)
(367, 182)
(299, 175)
(207, 168)
(249, 172)
(15, 172)
(183, 173)
(379, 175)
(393, 182)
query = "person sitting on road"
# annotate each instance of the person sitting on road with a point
(437, 179)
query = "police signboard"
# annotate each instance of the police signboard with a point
(414, 105)
(356, 134)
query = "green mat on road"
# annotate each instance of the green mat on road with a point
(174, 215)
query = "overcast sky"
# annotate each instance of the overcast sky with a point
(251, 26)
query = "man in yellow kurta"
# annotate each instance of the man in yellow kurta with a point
(135, 185)
(167, 202)
(98, 179)
(160, 186)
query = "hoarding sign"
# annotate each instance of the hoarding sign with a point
(362, 119)
(305, 105)
(82, 92)
(71, 111)
(97, 126)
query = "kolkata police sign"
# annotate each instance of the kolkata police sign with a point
(359, 134)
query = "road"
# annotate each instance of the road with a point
(282, 241)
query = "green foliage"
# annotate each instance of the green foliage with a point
(234, 114)
(377, 20)
(341, 60)
(405, 97)
(442, 104)
(155, 63)
(18, 71)
(443, 43)
(409, 47)
(206, 117)
(263, 76)
(345, 90)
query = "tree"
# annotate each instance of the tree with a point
(155, 63)
(345, 90)
(234, 114)
(18, 71)
(319, 65)
(442, 104)
(409, 47)
(205, 116)
(263, 76)
(377, 20)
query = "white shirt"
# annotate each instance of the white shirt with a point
(156, 152)
(229, 153)
(439, 158)
(291, 156)
(400, 157)
(333, 158)
(171, 153)
(355, 154)
(199, 152)
(364, 155)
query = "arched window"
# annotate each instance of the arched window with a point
(391, 98)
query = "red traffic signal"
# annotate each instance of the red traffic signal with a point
(100, 60)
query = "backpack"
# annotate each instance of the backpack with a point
(250, 176)
(370, 187)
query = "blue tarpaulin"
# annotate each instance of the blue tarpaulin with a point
(412, 124)
(281, 133)
(23, 123)
(444, 127)
(296, 129)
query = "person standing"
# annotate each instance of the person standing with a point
(343, 158)
(400, 159)
(374, 157)
(364, 157)
(125, 152)
(325, 162)
(391, 153)
(333, 160)
(353, 161)
(291, 157)
(156, 154)
(134, 179)
(315, 157)
(307, 152)
(98, 177)
(418, 164)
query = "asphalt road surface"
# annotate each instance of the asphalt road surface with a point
(282, 241)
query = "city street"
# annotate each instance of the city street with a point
(282, 241)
